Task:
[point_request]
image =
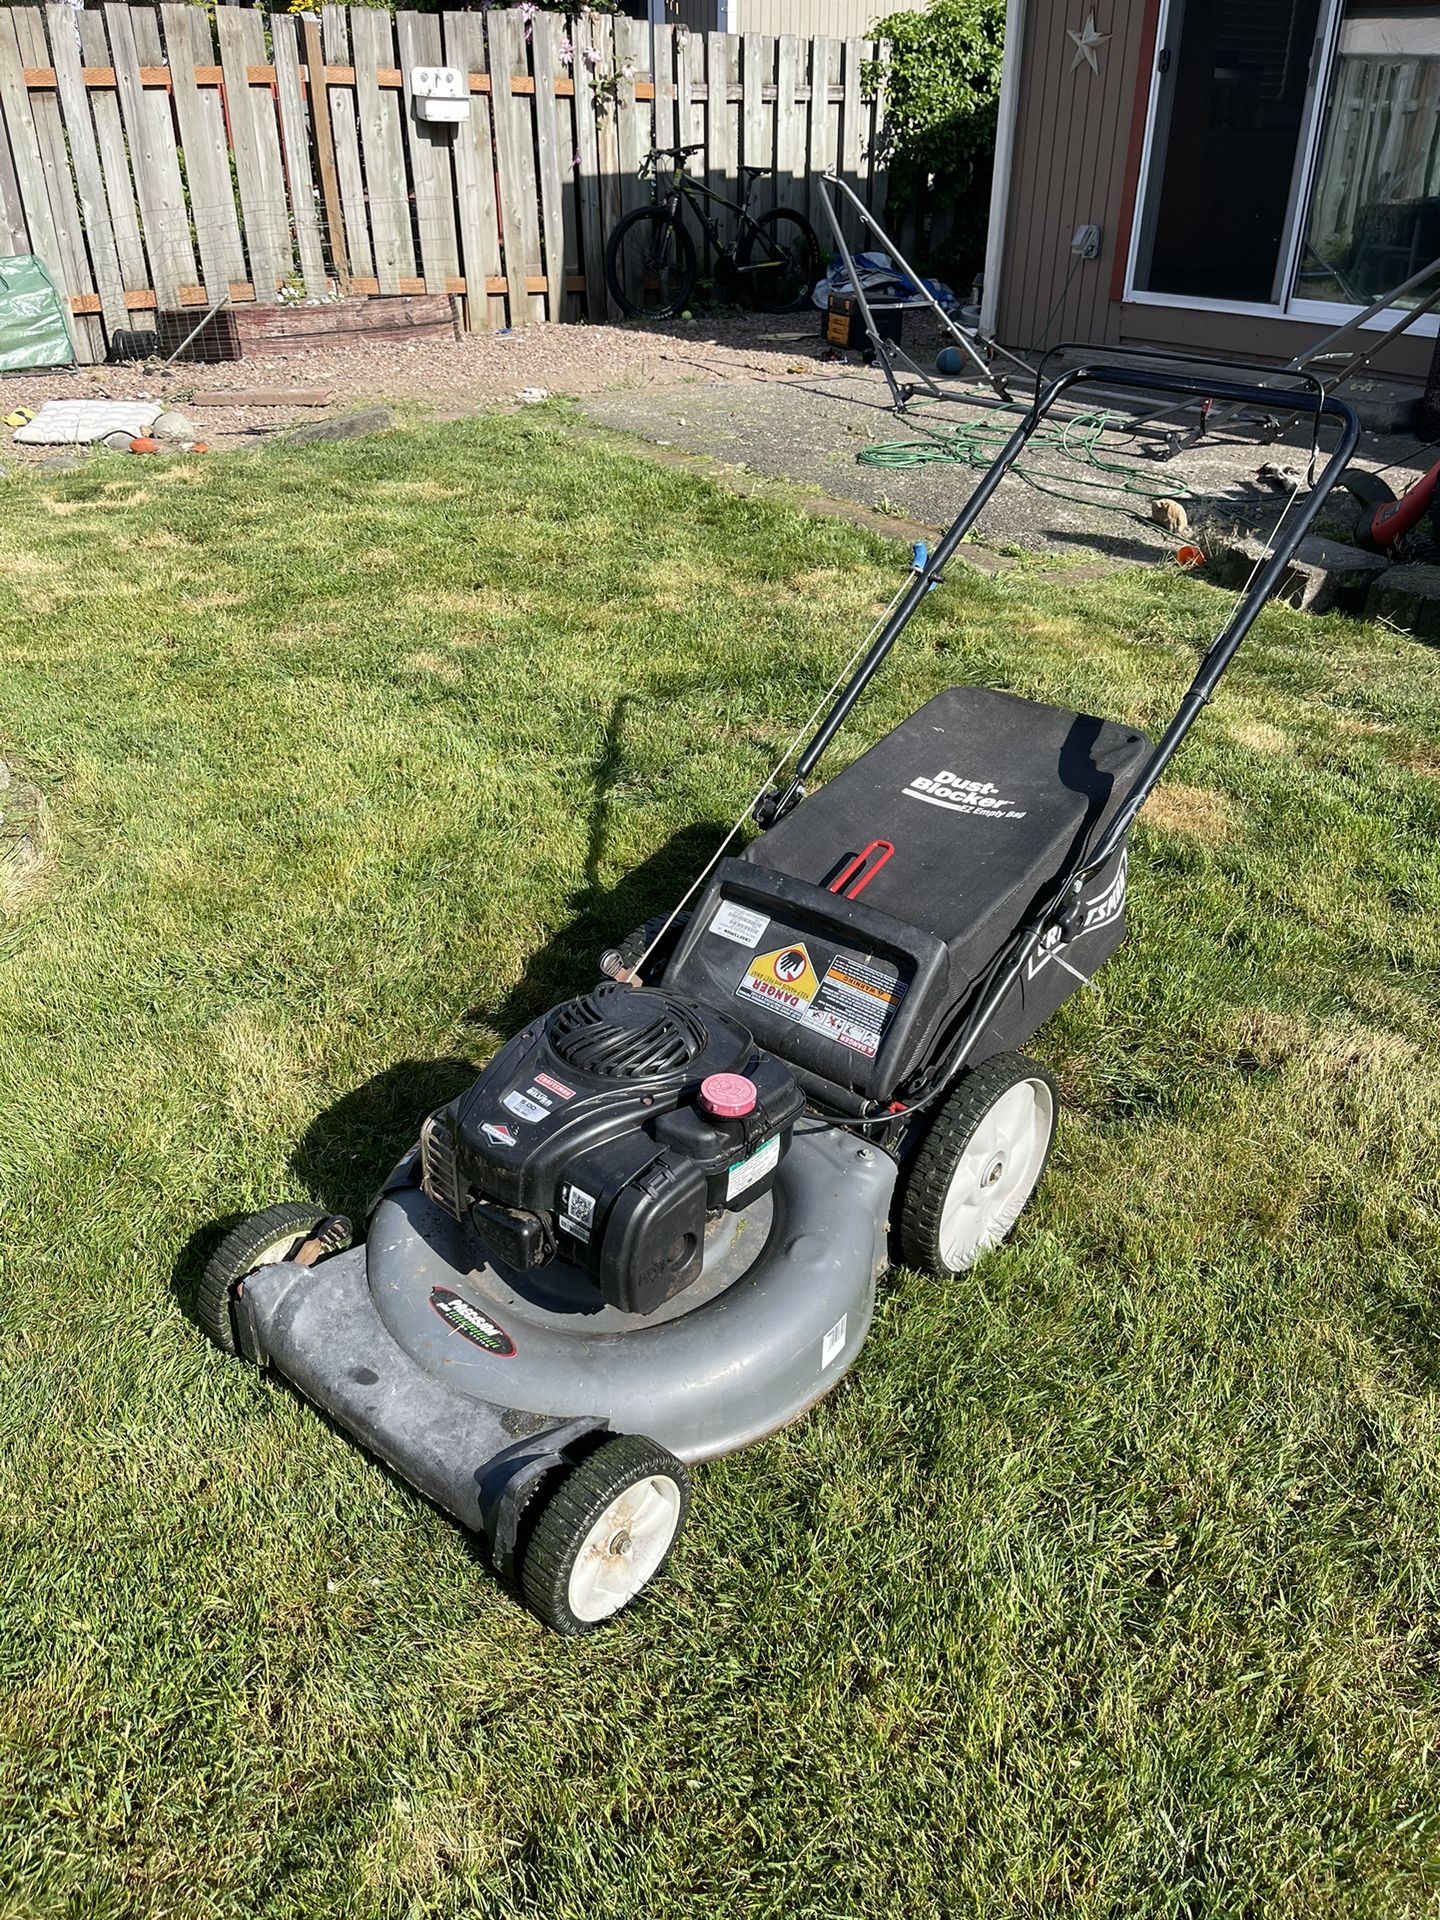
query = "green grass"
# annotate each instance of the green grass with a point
(1107, 1584)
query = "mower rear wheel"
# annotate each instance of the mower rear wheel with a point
(264, 1240)
(603, 1533)
(978, 1164)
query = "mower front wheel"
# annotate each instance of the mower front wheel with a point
(603, 1533)
(264, 1240)
(978, 1164)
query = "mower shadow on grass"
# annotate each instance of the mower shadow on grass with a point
(600, 917)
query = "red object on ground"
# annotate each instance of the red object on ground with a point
(729, 1096)
(1189, 556)
(1399, 516)
(144, 444)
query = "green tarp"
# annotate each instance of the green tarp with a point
(32, 321)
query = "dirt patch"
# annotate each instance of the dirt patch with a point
(435, 663)
(1268, 1040)
(1199, 812)
(22, 839)
(1261, 737)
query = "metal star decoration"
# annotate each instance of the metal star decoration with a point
(1086, 41)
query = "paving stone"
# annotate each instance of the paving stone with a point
(1321, 575)
(345, 426)
(1410, 598)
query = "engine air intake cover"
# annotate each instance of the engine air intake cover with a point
(619, 1032)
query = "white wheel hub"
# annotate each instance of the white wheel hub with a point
(996, 1173)
(624, 1547)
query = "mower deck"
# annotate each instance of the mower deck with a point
(438, 1366)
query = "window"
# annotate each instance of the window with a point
(1374, 216)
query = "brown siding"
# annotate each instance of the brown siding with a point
(1073, 138)
(1072, 135)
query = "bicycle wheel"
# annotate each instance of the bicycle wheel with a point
(780, 259)
(650, 264)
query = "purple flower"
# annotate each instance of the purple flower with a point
(592, 58)
(566, 53)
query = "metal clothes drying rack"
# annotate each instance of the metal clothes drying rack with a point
(889, 353)
(1311, 361)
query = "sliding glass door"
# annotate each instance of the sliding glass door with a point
(1235, 92)
(1374, 208)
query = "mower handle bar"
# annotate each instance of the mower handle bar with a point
(929, 572)
(1060, 909)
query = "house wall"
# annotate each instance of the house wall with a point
(845, 19)
(1075, 159)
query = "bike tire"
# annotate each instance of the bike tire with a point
(650, 253)
(789, 239)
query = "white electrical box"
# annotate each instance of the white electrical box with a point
(440, 93)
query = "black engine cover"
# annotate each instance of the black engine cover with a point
(584, 1136)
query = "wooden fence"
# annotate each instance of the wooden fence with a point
(156, 161)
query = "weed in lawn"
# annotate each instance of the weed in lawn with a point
(1110, 1582)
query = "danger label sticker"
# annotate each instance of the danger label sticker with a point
(785, 981)
(855, 1002)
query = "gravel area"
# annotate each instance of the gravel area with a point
(445, 377)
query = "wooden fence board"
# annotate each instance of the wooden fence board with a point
(430, 164)
(25, 141)
(387, 197)
(824, 134)
(154, 163)
(607, 135)
(267, 252)
(554, 157)
(345, 129)
(479, 228)
(515, 155)
(317, 95)
(758, 129)
(792, 129)
(89, 178)
(853, 118)
(114, 161)
(722, 71)
(258, 98)
(207, 157)
(75, 275)
(634, 120)
(295, 133)
(587, 145)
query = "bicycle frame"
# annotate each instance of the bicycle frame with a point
(685, 187)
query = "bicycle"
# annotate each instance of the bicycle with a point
(650, 262)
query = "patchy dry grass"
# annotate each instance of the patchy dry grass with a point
(1108, 1585)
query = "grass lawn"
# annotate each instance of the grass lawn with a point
(1108, 1582)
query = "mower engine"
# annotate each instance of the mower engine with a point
(608, 1133)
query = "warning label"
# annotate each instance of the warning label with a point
(785, 981)
(855, 1002)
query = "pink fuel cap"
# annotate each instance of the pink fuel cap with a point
(729, 1096)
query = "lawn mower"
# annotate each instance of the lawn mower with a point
(650, 1232)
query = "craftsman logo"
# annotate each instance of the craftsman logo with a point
(503, 1136)
(958, 795)
(552, 1085)
(784, 980)
(471, 1323)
